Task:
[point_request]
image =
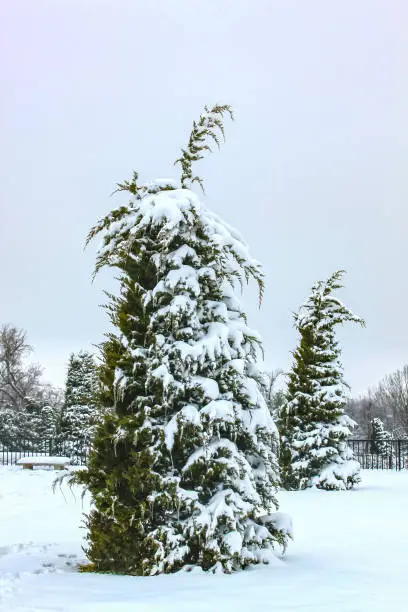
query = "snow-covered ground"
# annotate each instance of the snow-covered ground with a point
(349, 555)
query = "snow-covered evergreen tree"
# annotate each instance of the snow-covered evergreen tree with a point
(79, 411)
(182, 471)
(380, 438)
(313, 426)
(13, 426)
(41, 421)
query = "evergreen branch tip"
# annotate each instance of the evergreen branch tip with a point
(209, 125)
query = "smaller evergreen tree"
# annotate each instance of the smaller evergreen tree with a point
(380, 438)
(41, 421)
(312, 423)
(12, 426)
(80, 406)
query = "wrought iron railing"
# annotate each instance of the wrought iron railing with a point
(10, 453)
(393, 454)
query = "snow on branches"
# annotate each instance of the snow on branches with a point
(313, 425)
(209, 126)
(192, 443)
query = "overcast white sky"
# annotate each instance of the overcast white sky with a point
(313, 174)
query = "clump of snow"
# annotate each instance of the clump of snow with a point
(280, 521)
(337, 476)
(161, 184)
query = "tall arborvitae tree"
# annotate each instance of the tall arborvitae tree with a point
(313, 426)
(79, 411)
(183, 470)
(380, 438)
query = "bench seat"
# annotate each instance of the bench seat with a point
(58, 463)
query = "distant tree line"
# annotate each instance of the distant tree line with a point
(384, 406)
(35, 411)
(388, 401)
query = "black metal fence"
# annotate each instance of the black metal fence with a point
(10, 453)
(394, 454)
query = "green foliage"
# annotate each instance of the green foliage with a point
(80, 409)
(313, 426)
(42, 420)
(81, 383)
(209, 126)
(186, 434)
(380, 438)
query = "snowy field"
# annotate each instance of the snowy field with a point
(349, 555)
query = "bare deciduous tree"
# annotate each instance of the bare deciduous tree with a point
(391, 397)
(363, 410)
(18, 381)
(387, 401)
(274, 397)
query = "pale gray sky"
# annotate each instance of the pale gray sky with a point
(314, 171)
